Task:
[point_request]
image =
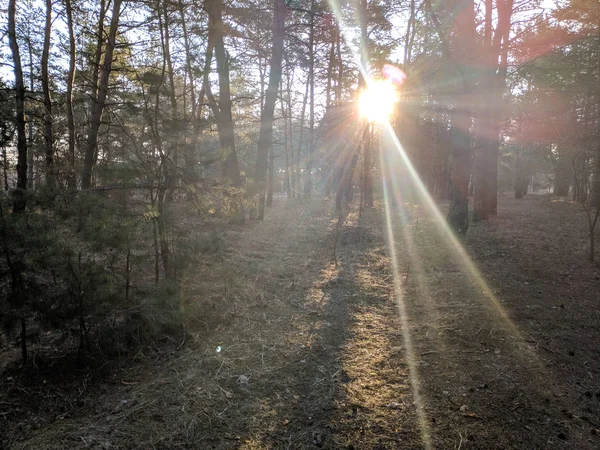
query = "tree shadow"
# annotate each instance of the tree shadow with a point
(347, 385)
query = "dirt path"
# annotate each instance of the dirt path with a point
(291, 351)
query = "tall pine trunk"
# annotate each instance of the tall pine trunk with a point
(231, 170)
(190, 154)
(173, 154)
(20, 200)
(464, 49)
(488, 124)
(265, 139)
(48, 138)
(91, 149)
(311, 80)
(301, 141)
(71, 177)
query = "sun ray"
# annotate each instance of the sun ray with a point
(457, 251)
(404, 325)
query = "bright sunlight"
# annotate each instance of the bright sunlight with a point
(376, 103)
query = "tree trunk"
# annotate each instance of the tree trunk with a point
(340, 66)
(595, 200)
(190, 155)
(493, 84)
(465, 48)
(231, 170)
(98, 53)
(20, 200)
(300, 140)
(285, 146)
(270, 178)
(410, 35)
(99, 102)
(311, 79)
(330, 68)
(30, 129)
(290, 122)
(166, 180)
(458, 214)
(173, 154)
(48, 138)
(71, 177)
(265, 139)
(5, 168)
(521, 175)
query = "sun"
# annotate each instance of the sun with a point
(377, 101)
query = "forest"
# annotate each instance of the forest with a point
(342, 224)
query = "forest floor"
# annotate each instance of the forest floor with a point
(401, 347)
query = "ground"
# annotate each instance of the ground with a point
(405, 345)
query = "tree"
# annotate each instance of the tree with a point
(99, 100)
(20, 200)
(265, 140)
(48, 132)
(71, 176)
(459, 40)
(223, 108)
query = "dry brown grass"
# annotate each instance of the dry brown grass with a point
(311, 355)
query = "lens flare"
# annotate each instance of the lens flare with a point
(394, 74)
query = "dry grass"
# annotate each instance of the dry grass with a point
(290, 351)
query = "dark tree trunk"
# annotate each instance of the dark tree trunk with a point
(270, 178)
(562, 176)
(290, 127)
(458, 214)
(300, 141)
(231, 170)
(311, 80)
(20, 200)
(521, 175)
(71, 177)
(5, 168)
(48, 138)
(30, 128)
(464, 49)
(98, 53)
(166, 170)
(173, 154)
(99, 102)
(340, 67)
(485, 184)
(265, 139)
(493, 84)
(190, 155)
(330, 69)
(595, 200)
(286, 181)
